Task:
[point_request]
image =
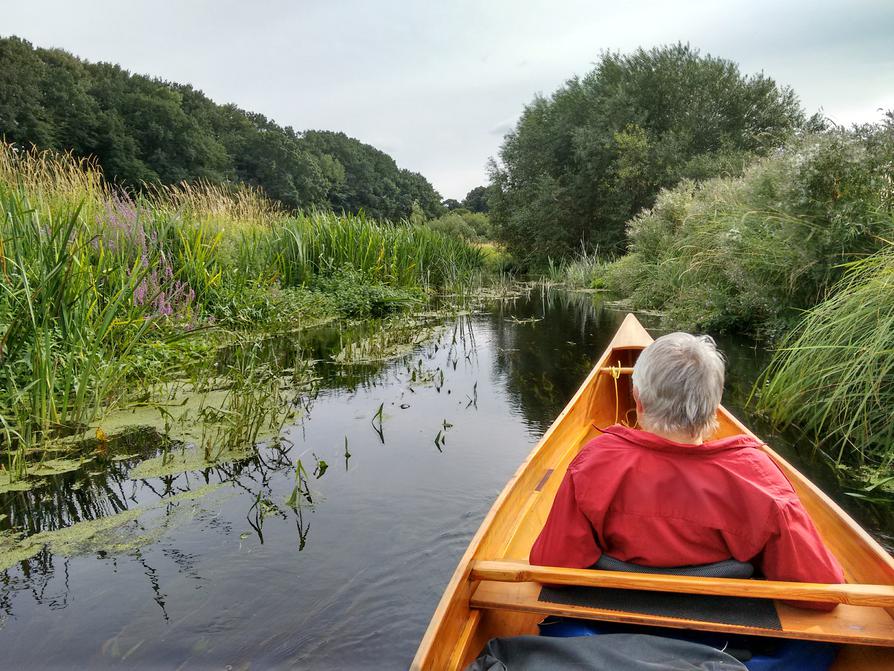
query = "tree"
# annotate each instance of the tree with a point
(22, 116)
(372, 181)
(579, 164)
(461, 223)
(142, 129)
(451, 204)
(476, 200)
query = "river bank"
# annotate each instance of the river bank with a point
(329, 543)
(112, 297)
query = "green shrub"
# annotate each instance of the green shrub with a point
(462, 224)
(354, 295)
(749, 253)
(452, 224)
(495, 259)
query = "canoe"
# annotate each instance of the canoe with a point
(494, 592)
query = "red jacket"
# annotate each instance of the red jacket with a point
(647, 500)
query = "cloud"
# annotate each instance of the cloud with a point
(504, 126)
(426, 81)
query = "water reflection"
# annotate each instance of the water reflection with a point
(330, 544)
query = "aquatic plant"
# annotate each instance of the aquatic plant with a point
(584, 270)
(67, 318)
(322, 243)
(833, 375)
(99, 286)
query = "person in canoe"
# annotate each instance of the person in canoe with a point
(664, 496)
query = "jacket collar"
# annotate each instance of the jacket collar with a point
(653, 442)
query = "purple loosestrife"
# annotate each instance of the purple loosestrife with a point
(120, 223)
(160, 290)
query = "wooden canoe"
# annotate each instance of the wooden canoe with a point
(494, 592)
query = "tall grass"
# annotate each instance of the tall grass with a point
(321, 243)
(67, 303)
(749, 253)
(585, 270)
(90, 274)
(833, 375)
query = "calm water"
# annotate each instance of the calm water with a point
(245, 578)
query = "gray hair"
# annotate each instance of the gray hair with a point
(679, 378)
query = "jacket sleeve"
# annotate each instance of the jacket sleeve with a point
(567, 538)
(795, 552)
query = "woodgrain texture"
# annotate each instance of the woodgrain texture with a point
(472, 611)
(518, 571)
(846, 624)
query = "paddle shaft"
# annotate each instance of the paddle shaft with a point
(517, 571)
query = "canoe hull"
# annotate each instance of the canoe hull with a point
(458, 630)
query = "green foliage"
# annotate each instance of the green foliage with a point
(452, 224)
(371, 181)
(585, 270)
(579, 164)
(354, 296)
(403, 255)
(65, 307)
(476, 200)
(833, 375)
(462, 224)
(495, 259)
(749, 253)
(98, 288)
(147, 130)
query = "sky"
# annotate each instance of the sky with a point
(438, 84)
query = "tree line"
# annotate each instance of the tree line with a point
(144, 130)
(581, 162)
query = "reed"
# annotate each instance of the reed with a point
(91, 275)
(584, 270)
(833, 375)
(321, 243)
(66, 306)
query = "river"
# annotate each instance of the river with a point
(247, 566)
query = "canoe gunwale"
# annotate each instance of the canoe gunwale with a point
(452, 629)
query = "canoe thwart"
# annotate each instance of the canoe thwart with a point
(616, 370)
(518, 571)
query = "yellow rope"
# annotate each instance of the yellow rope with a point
(616, 374)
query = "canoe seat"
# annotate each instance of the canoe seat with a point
(729, 568)
(846, 624)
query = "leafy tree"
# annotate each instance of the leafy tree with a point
(23, 118)
(146, 130)
(452, 224)
(476, 200)
(451, 204)
(579, 164)
(372, 181)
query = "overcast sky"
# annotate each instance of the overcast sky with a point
(437, 84)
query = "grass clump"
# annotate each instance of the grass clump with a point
(585, 270)
(833, 375)
(320, 243)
